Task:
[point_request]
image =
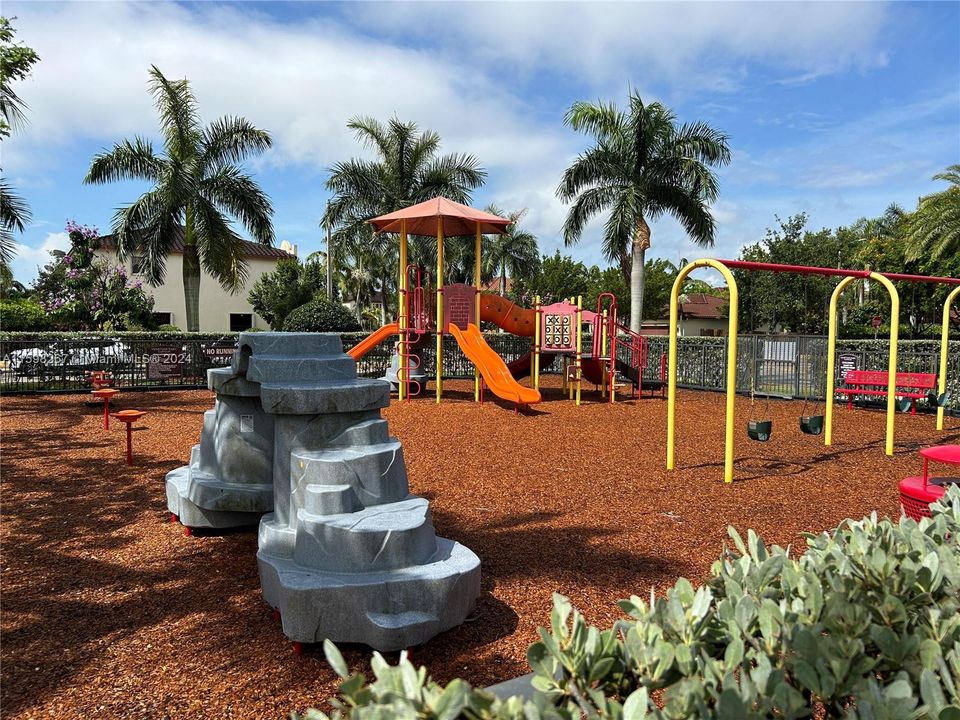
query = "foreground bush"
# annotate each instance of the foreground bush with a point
(321, 315)
(865, 624)
(22, 314)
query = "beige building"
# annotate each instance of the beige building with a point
(220, 311)
(700, 315)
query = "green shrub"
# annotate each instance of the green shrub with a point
(22, 314)
(320, 315)
(168, 328)
(865, 625)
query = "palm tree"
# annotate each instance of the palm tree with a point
(934, 228)
(515, 250)
(642, 166)
(16, 61)
(14, 215)
(198, 185)
(406, 171)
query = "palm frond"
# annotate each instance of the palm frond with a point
(703, 143)
(950, 175)
(620, 226)
(219, 248)
(234, 192)
(934, 229)
(598, 166)
(148, 226)
(371, 133)
(177, 108)
(14, 215)
(231, 140)
(129, 160)
(452, 176)
(690, 210)
(588, 203)
(600, 120)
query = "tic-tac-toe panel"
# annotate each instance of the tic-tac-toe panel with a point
(559, 327)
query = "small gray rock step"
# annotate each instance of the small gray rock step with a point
(191, 515)
(371, 607)
(376, 472)
(368, 432)
(382, 537)
(329, 499)
(212, 493)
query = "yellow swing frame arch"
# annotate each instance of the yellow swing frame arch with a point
(731, 384)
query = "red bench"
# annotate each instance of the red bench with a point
(874, 382)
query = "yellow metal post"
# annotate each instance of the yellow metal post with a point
(892, 361)
(536, 343)
(440, 327)
(603, 353)
(732, 330)
(476, 309)
(403, 305)
(579, 367)
(831, 360)
(944, 342)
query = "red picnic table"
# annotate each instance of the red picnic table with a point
(918, 492)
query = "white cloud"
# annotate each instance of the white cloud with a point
(687, 44)
(480, 89)
(28, 258)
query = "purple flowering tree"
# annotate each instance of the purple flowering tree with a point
(82, 292)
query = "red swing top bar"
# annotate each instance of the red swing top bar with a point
(807, 270)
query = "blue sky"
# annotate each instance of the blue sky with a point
(834, 109)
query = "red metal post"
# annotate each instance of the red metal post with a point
(129, 443)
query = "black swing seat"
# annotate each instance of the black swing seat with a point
(760, 430)
(811, 424)
(941, 400)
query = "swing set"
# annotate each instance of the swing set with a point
(761, 429)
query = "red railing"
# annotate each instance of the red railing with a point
(418, 321)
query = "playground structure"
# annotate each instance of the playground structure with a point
(555, 329)
(848, 276)
(345, 552)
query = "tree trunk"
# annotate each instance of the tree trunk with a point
(191, 276)
(503, 279)
(641, 242)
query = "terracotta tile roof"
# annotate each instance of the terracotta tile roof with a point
(250, 249)
(494, 285)
(703, 306)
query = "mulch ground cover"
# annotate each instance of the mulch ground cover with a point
(109, 611)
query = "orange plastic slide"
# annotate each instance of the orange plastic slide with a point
(371, 341)
(492, 367)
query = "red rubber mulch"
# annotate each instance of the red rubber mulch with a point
(109, 611)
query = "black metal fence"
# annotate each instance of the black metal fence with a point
(775, 365)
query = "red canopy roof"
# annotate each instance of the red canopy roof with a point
(457, 219)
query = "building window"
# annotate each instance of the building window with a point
(163, 318)
(139, 264)
(240, 322)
